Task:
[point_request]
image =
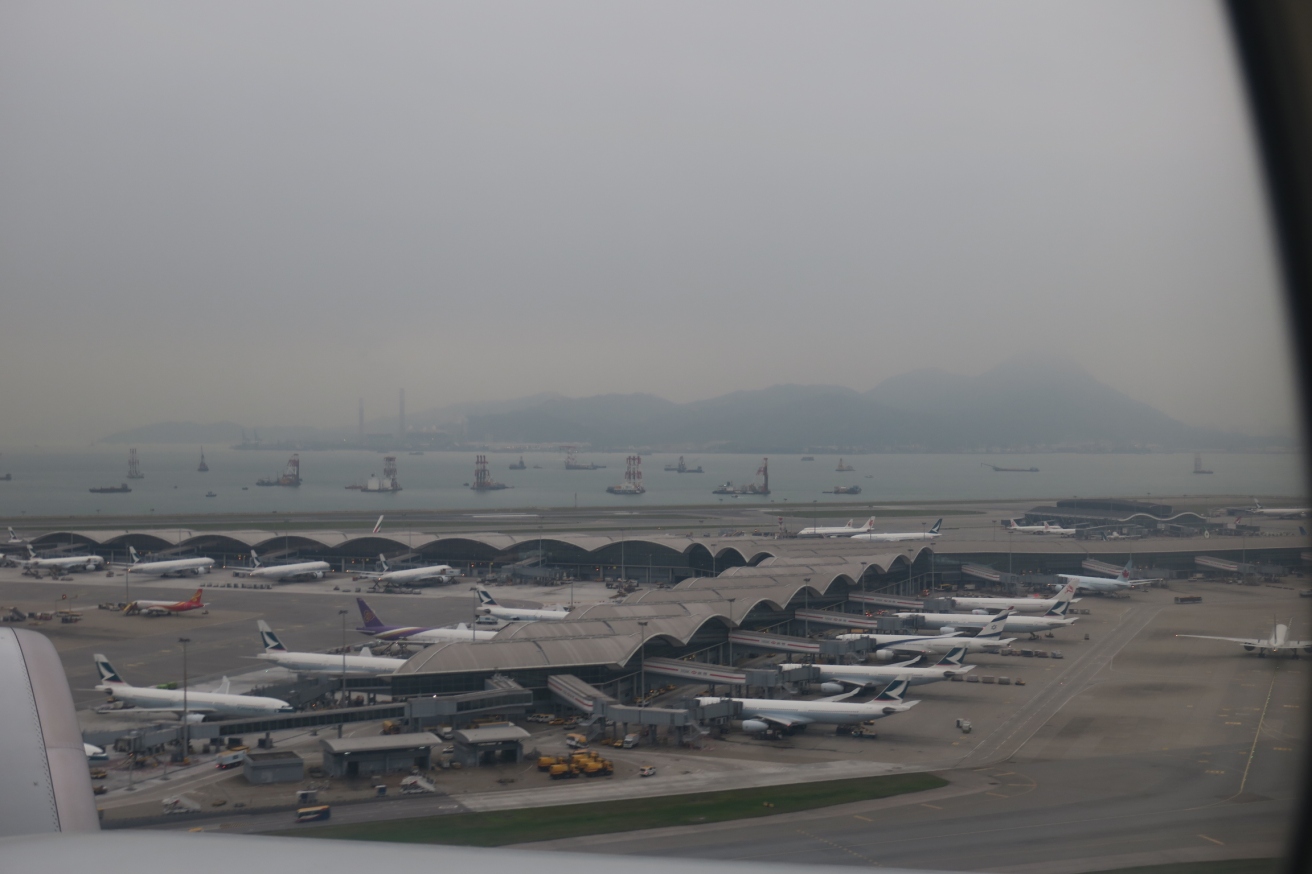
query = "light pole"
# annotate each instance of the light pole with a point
(624, 574)
(731, 628)
(714, 547)
(806, 596)
(342, 613)
(642, 656)
(186, 717)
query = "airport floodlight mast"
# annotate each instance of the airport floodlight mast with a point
(186, 716)
(642, 654)
(342, 614)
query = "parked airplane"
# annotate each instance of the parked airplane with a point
(837, 531)
(1122, 581)
(198, 704)
(168, 567)
(488, 606)
(761, 714)
(890, 537)
(989, 639)
(305, 570)
(60, 563)
(366, 664)
(415, 633)
(164, 608)
(415, 576)
(1258, 510)
(1278, 642)
(1054, 618)
(15, 540)
(1053, 528)
(838, 678)
(1013, 525)
(1019, 605)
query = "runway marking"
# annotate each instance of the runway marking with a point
(1213, 840)
(862, 818)
(1252, 751)
(837, 846)
(1283, 749)
(1214, 772)
(997, 795)
(930, 806)
(1004, 773)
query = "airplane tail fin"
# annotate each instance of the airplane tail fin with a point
(1063, 603)
(368, 615)
(31, 553)
(108, 675)
(133, 552)
(271, 641)
(936, 527)
(255, 559)
(993, 630)
(224, 687)
(954, 657)
(378, 524)
(13, 536)
(894, 690)
(382, 561)
(1127, 570)
(195, 599)
(485, 598)
(870, 523)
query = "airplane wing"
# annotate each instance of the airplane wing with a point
(169, 708)
(1246, 641)
(783, 720)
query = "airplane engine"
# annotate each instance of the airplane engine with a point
(831, 688)
(884, 655)
(195, 718)
(889, 711)
(755, 726)
(318, 575)
(1248, 647)
(978, 612)
(948, 629)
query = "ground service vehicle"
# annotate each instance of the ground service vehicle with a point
(313, 814)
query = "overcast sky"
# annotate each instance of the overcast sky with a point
(260, 211)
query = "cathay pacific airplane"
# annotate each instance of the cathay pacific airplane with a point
(305, 570)
(364, 665)
(761, 714)
(989, 639)
(59, 563)
(840, 678)
(895, 536)
(1258, 510)
(1054, 618)
(1019, 605)
(415, 633)
(169, 567)
(1277, 643)
(488, 606)
(838, 531)
(202, 704)
(413, 576)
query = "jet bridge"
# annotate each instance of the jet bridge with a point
(801, 645)
(703, 673)
(885, 601)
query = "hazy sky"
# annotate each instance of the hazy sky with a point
(260, 211)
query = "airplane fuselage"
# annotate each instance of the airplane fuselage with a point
(1030, 624)
(806, 712)
(873, 675)
(894, 536)
(306, 570)
(1020, 605)
(328, 664)
(410, 576)
(197, 702)
(174, 567)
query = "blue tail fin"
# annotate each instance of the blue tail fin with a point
(485, 597)
(369, 617)
(937, 525)
(108, 675)
(893, 691)
(271, 641)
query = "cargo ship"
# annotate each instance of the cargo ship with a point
(111, 490)
(1010, 469)
(844, 490)
(572, 463)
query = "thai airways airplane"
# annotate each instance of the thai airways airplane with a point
(837, 531)
(305, 570)
(1278, 642)
(488, 606)
(60, 563)
(1107, 584)
(364, 665)
(1019, 605)
(761, 714)
(415, 633)
(164, 608)
(202, 704)
(895, 536)
(840, 678)
(989, 639)
(1258, 510)
(169, 567)
(437, 573)
(1054, 618)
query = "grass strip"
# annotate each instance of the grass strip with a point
(498, 828)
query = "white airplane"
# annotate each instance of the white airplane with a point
(305, 570)
(198, 704)
(989, 639)
(1052, 528)
(1054, 618)
(1279, 512)
(894, 536)
(839, 678)
(1019, 605)
(164, 608)
(761, 714)
(1278, 642)
(838, 531)
(415, 633)
(60, 563)
(1107, 584)
(440, 573)
(1013, 525)
(15, 540)
(169, 567)
(364, 665)
(488, 606)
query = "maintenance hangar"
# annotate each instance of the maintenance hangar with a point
(377, 754)
(273, 766)
(489, 745)
(605, 645)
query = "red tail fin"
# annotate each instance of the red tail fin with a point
(195, 599)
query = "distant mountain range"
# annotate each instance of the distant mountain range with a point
(1017, 406)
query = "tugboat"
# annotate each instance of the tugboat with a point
(203, 468)
(632, 484)
(519, 465)
(210, 495)
(111, 490)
